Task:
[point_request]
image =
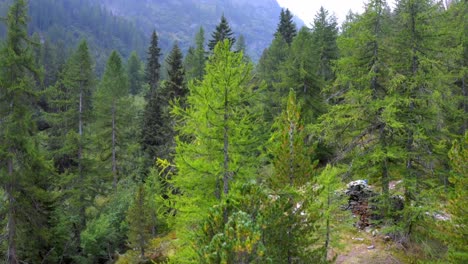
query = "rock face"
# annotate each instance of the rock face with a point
(359, 193)
(362, 202)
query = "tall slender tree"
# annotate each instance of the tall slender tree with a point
(23, 170)
(153, 67)
(110, 106)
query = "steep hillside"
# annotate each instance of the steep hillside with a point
(179, 20)
(70, 21)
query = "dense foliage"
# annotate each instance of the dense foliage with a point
(212, 159)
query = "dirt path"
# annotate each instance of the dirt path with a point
(356, 251)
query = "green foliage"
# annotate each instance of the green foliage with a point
(286, 27)
(135, 74)
(196, 57)
(139, 221)
(24, 172)
(223, 31)
(216, 146)
(458, 251)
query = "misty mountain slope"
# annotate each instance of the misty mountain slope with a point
(179, 20)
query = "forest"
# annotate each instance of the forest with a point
(210, 156)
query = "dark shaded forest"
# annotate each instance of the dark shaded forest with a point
(111, 154)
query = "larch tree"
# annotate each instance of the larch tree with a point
(111, 105)
(363, 86)
(196, 58)
(23, 170)
(223, 31)
(220, 127)
(70, 103)
(293, 215)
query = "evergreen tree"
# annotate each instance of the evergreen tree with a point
(363, 86)
(223, 31)
(175, 87)
(457, 229)
(269, 70)
(134, 73)
(324, 35)
(138, 218)
(288, 240)
(153, 68)
(299, 72)
(23, 170)
(286, 27)
(68, 140)
(111, 105)
(196, 58)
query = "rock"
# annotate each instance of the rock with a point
(371, 247)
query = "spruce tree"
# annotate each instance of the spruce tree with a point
(223, 31)
(286, 27)
(176, 87)
(23, 170)
(153, 67)
(153, 124)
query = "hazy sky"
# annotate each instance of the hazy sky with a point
(306, 9)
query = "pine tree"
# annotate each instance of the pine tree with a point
(134, 73)
(223, 31)
(286, 27)
(111, 105)
(23, 169)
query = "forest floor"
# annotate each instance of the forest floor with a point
(362, 247)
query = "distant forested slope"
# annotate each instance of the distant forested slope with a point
(180, 20)
(69, 21)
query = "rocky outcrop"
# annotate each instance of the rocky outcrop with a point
(363, 202)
